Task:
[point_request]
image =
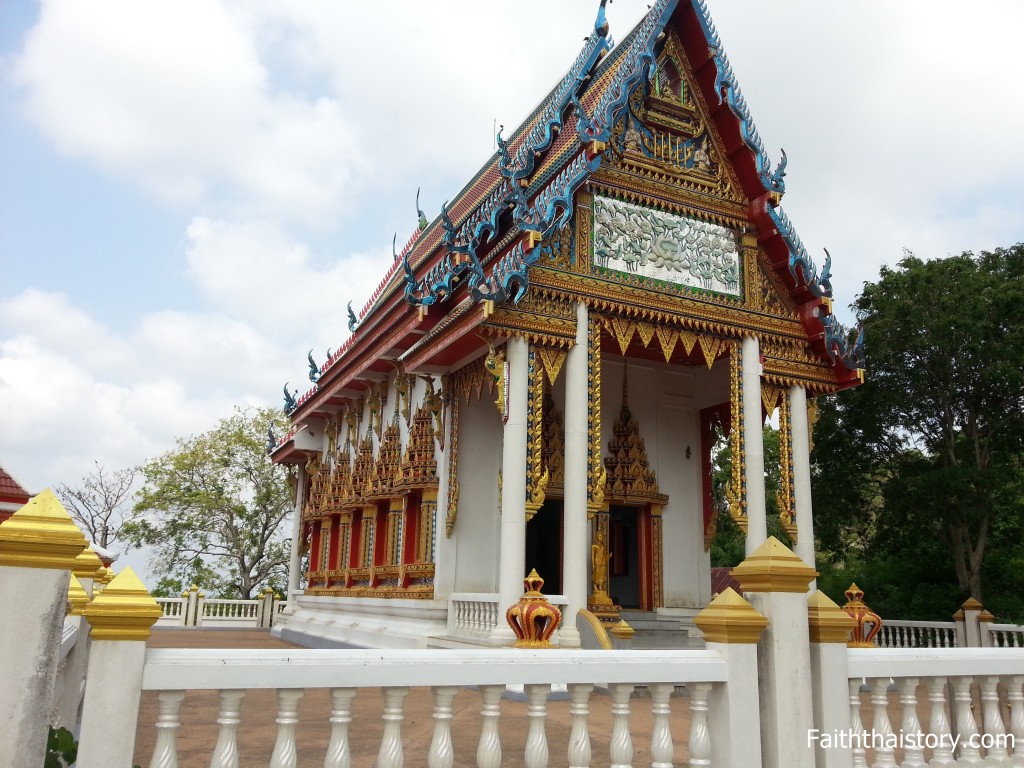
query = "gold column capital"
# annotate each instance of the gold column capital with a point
(826, 621)
(41, 535)
(123, 611)
(729, 618)
(773, 567)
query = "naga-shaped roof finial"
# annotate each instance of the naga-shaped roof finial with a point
(290, 403)
(419, 211)
(601, 24)
(314, 369)
(352, 320)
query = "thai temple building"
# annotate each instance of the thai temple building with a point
(539, 380)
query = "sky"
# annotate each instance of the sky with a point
(191, 191)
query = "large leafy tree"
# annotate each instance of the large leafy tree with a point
(212, 510)
(98, 502)
(926, 456)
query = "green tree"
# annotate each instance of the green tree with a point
(921, 466)
(212, 509)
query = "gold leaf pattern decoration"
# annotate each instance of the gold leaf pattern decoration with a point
(629, 474)
(552, 360)
(736, 493)
(536, 473)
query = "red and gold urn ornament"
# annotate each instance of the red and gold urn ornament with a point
(533, 619)
(868, 624)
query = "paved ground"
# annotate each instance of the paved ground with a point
(257, 733)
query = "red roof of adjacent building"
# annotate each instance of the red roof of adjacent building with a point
(12, 495)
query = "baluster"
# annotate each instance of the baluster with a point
(579, 736)
(992, 720)
(662, 748)
(1015, 701)
(856, 727)
(913, 756)
(488, 751)
(700, 739)
(621, 743)
(938, 723)
(966, 726)
(442, 754)
(880, 725)
(165, 752)
(338, 752)
(536, 739)
(284, 755)
(390, 754)
(225, 754)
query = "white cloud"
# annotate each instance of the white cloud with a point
(174, 97)
(258, 273)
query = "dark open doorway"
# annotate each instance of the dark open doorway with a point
(544, 545)
(624, 562)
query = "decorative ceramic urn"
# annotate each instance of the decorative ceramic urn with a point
(533, 619)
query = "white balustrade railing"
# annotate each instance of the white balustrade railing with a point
(473, 615)
(193, 609)
(917, 634)
(973, 699)
(352, 676)
(1006, 636)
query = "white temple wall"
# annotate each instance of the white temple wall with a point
(665, 401)
(476, 537)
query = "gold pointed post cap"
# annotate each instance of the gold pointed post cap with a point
(78, 598)
(40, 535)
(826, 621)
(622, 630)
(123, 611)
(972, 605)
(986, 616)
(773, 567)
(88, 564)
(730, 619)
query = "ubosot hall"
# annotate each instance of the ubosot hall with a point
(544, 372)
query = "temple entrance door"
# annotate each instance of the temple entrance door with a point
(629, 566)
(544, 545)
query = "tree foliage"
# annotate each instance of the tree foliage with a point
(213, 510)
(97, 503)
(918, 472)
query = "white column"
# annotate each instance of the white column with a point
(295, 561)
(804, 548)
(575, 531)
(513, 489)
(753, 444)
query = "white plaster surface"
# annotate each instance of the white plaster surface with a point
(35, 603)
(110, 710)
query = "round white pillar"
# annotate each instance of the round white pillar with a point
(575, 531)
(753, 444)
(804, 548)
(295, 560)
(513, 489)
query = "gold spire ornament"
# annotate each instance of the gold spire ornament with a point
(123, 611)
(41, 535)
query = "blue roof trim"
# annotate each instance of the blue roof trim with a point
(546, 128)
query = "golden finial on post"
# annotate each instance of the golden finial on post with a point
(40, 534)
(124, 610)
(533, 619)
(868, 623)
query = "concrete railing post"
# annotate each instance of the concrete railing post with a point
(197, 610)
(775, 582)
(266, 608)
(829, 627)
(121, 617)
(38, 547)
(68, 694)
(733, 627)
(969, 626)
